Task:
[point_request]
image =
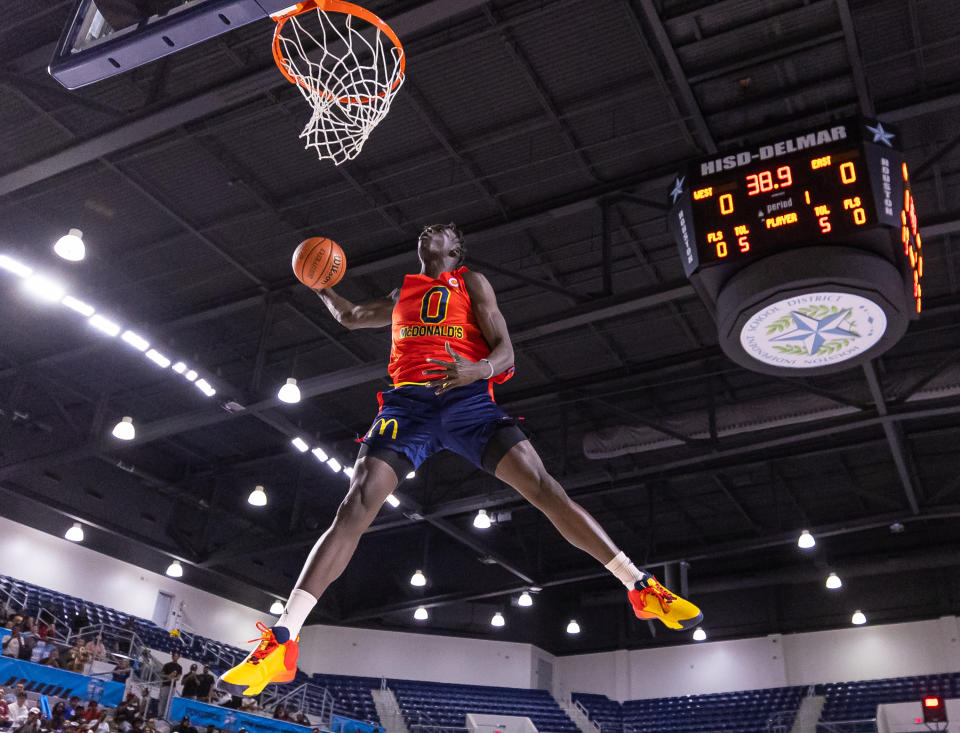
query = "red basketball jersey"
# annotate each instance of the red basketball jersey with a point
(430, 313)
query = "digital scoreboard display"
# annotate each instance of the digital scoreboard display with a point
(843, 183)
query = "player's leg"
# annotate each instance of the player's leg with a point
(518, 464)
(275, 659)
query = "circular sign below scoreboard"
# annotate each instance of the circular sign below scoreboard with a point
(813, 311)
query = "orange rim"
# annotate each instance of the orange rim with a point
(336, 6)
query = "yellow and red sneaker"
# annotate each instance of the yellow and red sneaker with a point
(651, 600)
(271, 661)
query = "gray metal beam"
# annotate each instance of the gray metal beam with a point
(678, 74)
(856, 62)
(894, 437)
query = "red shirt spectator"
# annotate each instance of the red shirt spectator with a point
(91, 713)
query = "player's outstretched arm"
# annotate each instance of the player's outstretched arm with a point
(372, 314)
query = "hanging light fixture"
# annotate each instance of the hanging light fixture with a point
(75, 533)
(481, 521)
(258, 497)
(699, 635)
(421, 614)
(124, 429)
(411, 475)
(498, 620)
(858, 619)
(393, 501)
(418, 579)
(277, 608)
(573, 627)
(834, 582)
(175, 569)
(290, 392)
(525, 600)
(805, 541)
(70, 246)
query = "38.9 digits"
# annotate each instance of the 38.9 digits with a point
(764, 181)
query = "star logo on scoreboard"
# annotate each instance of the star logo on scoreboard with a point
(677, 190)
(813, 333)
(882, 136)
(813, 329)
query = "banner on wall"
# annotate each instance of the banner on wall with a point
(227, 719)
(340, 724)
(59, 682)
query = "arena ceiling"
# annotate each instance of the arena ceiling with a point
(549, 131)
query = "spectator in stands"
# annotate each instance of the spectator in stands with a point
(13, 643)
(250, 705)
(52, 659)
(122, 671)
(191, 683)
(96, 650)
(143, 701)
(78, 711)
(100, 724)
(29, 625)
(280, 712)
(58, 716)
(11, 697)
(31, 724)
(5, 720)
(205, 687)
(170, 672)
(72, 704)
(41, 649)
(78, 657)
(184, 726)
(91, 712)
(301, 718)
(20, 709)
(26, 647)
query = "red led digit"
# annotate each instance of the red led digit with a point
(753, 185)
(744, 243)
(848, 174)
(766, 181)
(721, 249)
(825, 225)
(785, 176)
(726, 204)
(859, 217)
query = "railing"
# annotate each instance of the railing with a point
(781, 721)
(586, 714)
(427, 728)
(863, 725)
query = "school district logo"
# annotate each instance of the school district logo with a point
(813, 330)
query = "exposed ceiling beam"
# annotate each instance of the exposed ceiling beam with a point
(894, 436)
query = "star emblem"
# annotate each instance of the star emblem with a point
(882, 136)
(812, 333)
(677, 188)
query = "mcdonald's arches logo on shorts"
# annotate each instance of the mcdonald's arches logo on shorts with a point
(384, 423)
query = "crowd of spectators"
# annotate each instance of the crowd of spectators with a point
(31, 641)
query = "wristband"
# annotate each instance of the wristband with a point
(489, 364)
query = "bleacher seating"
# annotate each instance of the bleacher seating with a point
(728, 712)
(351, 695)
(859, 700)
(440, 704)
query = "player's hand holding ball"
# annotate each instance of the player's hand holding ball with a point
(319, 263)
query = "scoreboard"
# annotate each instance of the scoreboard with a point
(815, 233)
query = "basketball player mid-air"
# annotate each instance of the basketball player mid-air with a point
(450, 342)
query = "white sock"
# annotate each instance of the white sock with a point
(298, 607)
(624, 569)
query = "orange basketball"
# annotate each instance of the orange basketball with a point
(319, 262)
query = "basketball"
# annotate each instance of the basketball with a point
(319, 262)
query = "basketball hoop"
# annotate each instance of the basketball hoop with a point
(348, 76)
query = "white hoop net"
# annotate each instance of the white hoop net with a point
(348, 80)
